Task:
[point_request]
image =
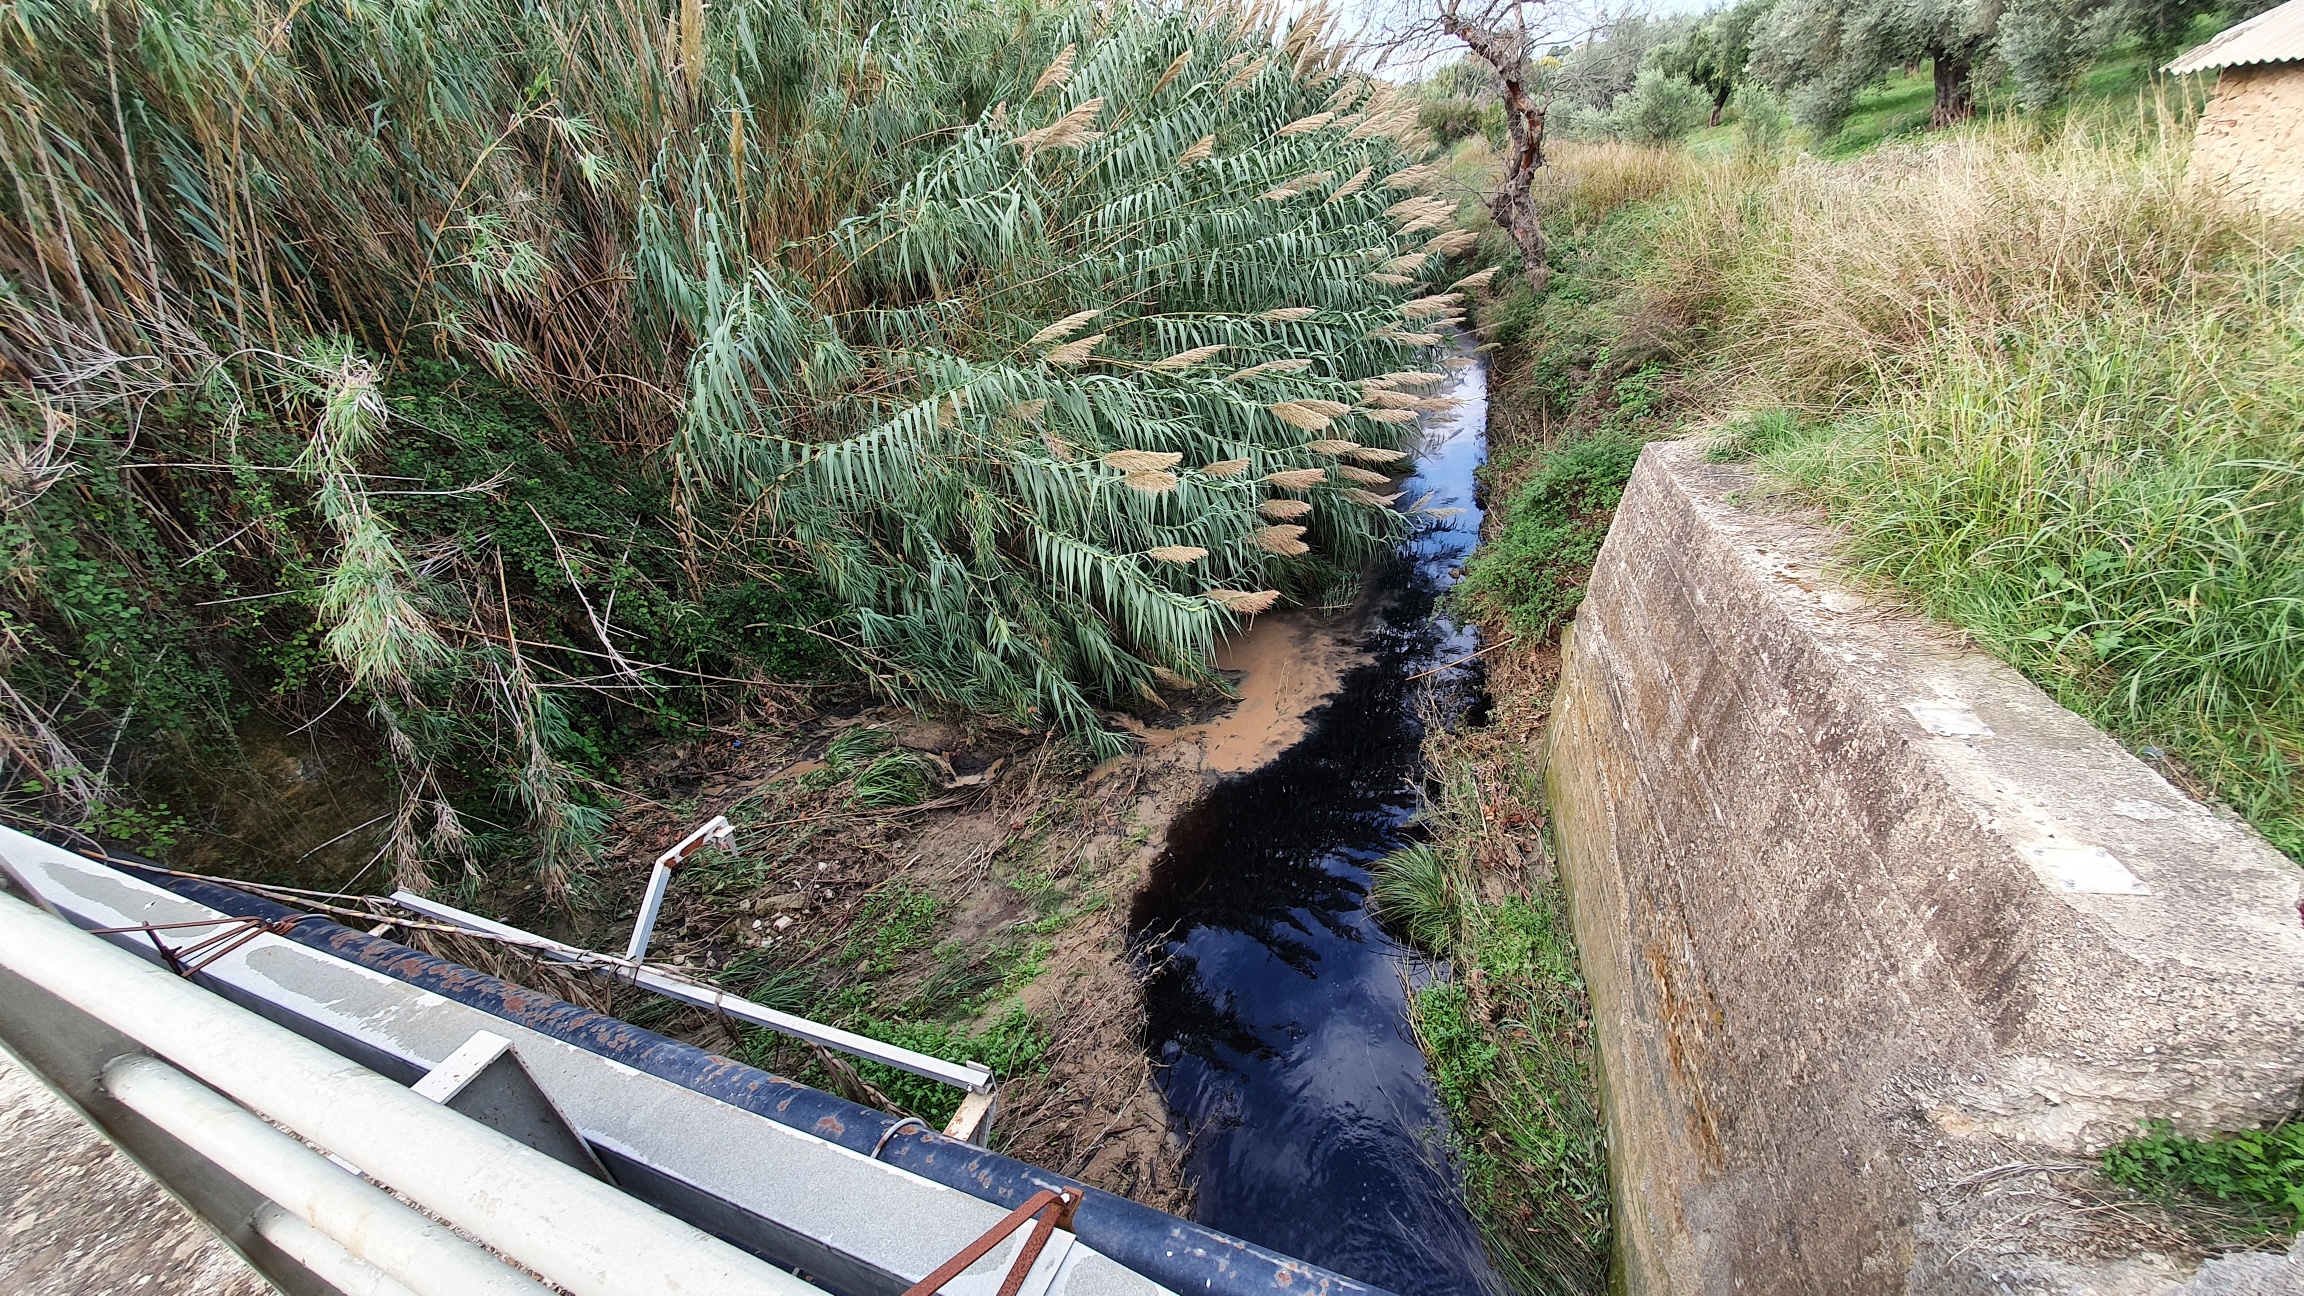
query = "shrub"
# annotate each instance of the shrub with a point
(1659, 109)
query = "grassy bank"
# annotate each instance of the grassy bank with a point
(1507, 1028)
(2050, 395)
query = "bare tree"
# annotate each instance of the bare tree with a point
(1508, 36)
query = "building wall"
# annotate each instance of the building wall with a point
(2251, 139)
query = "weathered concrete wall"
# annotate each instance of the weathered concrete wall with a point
(2250, 140)
(1877, 935)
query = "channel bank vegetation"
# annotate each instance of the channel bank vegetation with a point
(1954, 294)
(508, 384)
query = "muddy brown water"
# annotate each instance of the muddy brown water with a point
(1277, 1005)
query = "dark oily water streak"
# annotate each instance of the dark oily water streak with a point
(1277, 1005)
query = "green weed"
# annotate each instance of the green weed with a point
(2258, 1172)
(1531, 572)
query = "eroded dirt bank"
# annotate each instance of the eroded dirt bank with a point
(1007, 887)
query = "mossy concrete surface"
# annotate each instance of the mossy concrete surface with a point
(1883, 945)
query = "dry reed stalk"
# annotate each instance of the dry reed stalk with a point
(1175, 70)
(1296, 414)
(1073, 354)
(1294, 364)
(1060, 330)
(1243, 602)
(1352, 186)
(1129, 461)
(1245, 74)
(1186, 359)
(1059, 71)
(1282, 538)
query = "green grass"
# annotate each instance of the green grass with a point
(1507, 1034)
(2255, 1175)
(1531, 571)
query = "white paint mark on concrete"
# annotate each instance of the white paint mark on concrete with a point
(1949, 719)
(2089, 870)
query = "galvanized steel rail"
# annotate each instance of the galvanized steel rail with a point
(160, 1065)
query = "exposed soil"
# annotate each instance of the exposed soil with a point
(1011, 883)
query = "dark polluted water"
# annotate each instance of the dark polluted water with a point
(1277, 1005)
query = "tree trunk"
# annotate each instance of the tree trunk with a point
(1720, 103)
(1514, 205)
(1955, 87)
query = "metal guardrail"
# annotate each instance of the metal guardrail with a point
(193, 1087)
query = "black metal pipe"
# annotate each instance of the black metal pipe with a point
(1174, 1252)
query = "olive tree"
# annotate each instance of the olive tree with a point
(1824, 52)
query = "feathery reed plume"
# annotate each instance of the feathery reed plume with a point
(1414, 378)
(1370, 498)
(1059, 71)
(1151, 482)
(1477, 279)
(1186, 359)
(1281, 510)
(1305, 125)
(1438, 404)
(1389, 280)
(1061, 452)
(1029, 411)
(1327, 407)
(1389, 415)
(1060, 330)
(1295, 414)
(1072, 130)
(1244, 603)
(1453, 242)
(1226, 468)
(1407, 265)
(1290, 314)
(1178, 554)
(1375, 454)
(1175, 70)
(1075, 353)
(1331, 447)
(1352, 186)
(1410, 178)
(1202, 148)
(1386, 398)
(1129, 461)
(1296, 186)
(1281, 538)
(1296, 479)
(1361, 475)
(1437, 304)
(1246, 74)
(1294, 364)
(1169, 679)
